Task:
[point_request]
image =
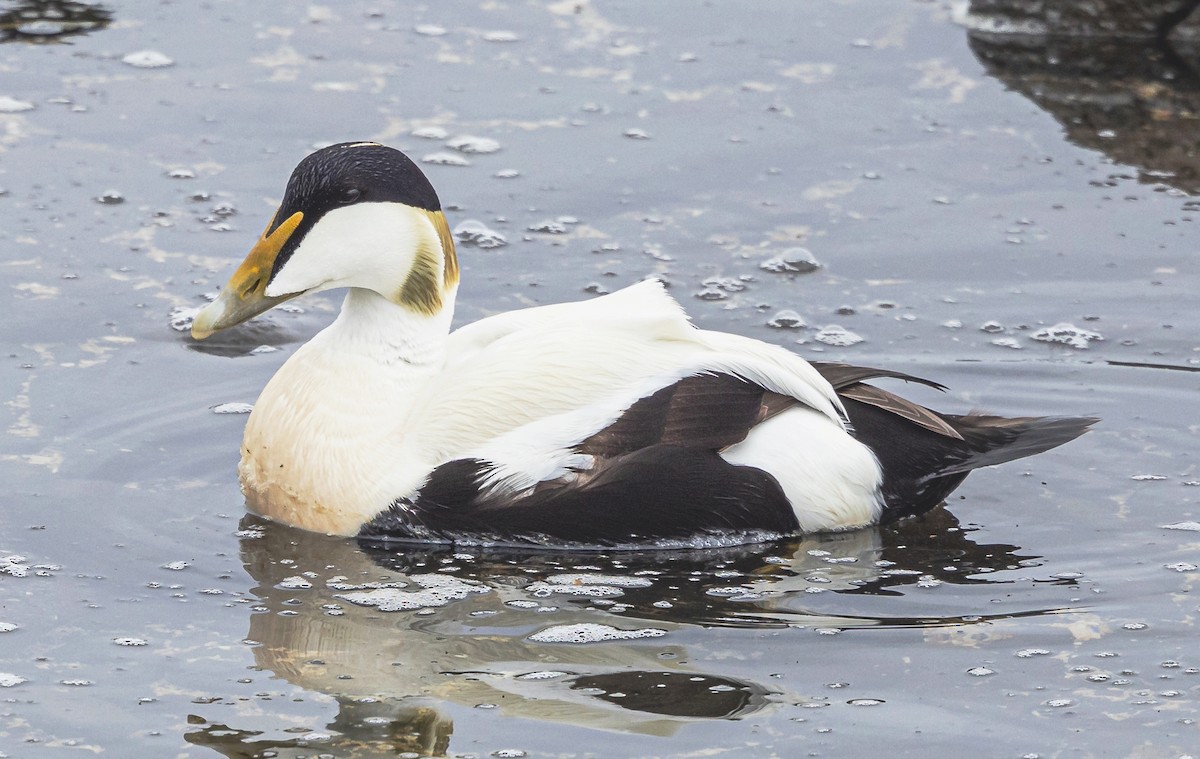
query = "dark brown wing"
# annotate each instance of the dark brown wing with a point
(848, 380)
(710, 411)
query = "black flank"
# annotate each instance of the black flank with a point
(663, 492)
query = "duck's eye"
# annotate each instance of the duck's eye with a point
(350, 195)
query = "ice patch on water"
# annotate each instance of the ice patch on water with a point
(14, 565)
(787, 319)
(445, 159)
(182, 317)
(792, 260)
(598, 579)
(590, 632)
(233, 407)
(544, 589)
(467, 143)
(1067, 334)
(838, 336)
(134, 642)
(501, 35)
(437, 590)
(12, 105)
(549, 226)
(961, 13)
(472, 232)
(1189, 526)
(430, 133)
(546, 674)
(147, 59)
(8, 680)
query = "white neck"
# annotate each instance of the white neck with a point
(336, 414)
(370, 326)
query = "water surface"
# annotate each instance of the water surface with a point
(962, 201)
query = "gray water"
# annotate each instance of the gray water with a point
(964, 191)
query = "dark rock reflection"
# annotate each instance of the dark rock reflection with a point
(1122, 77)
(46, 21)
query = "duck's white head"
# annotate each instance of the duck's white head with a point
(356, 214)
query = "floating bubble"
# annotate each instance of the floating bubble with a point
(980, 671)
(296, 582)
(589, 632)
(1028, 653)
(8, 680)
(1148, 477)
(636, 134)
(429, 30)
(1007, 342)
(6, 627)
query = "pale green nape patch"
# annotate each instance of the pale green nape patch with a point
(434, 270)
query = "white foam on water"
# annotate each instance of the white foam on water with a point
(575, 578)
(590, 632)
(437, 590)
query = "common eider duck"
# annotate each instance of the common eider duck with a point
(607, 422)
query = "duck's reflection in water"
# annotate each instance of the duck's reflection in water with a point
(577, 638)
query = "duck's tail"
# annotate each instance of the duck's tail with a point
(924, 454)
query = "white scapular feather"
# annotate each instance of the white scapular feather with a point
(831, 479)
